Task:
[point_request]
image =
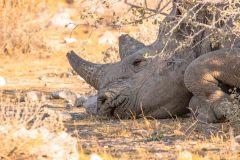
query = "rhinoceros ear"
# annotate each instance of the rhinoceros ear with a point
(128, 45)
(91, 72)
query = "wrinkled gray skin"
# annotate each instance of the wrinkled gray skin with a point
(147, 83)
(209, 77)
(142, 85)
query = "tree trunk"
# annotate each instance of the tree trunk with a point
(194, 26)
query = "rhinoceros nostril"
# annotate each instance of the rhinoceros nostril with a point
(102, 99)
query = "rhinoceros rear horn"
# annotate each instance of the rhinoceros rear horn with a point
(90, 72)
(128, 45)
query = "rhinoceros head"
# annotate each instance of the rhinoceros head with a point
(140, 84)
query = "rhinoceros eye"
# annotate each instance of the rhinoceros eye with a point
(139, 62)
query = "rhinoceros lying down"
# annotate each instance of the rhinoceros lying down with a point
(196, 74)
(145, 83)
(137, 85)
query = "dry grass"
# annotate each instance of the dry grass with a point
(19, 33)
(25, 134)
(28, 131)
(232, 109)
(153, 139)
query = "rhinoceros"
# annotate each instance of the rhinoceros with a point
(166, 78)
(138, 84)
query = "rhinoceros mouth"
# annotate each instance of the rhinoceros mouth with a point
(126, 108)
(109, 108)
(120, 101)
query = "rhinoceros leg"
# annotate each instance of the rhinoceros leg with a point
(208, 78)
(204, 111)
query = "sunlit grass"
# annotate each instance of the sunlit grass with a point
(19, 32)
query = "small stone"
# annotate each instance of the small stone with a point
(85, 42)
(62, 19)
(53, 145)
(69, 40)
(71, 26)
(48, 111)
(185, 155)
(69, 96)
(79, 102)
(3, 81)
(78, 116)
(72, 98)
(34, 96)
(65, 116)
(68, 106)
(232, 96)
(61, 94)
(69, 74)
(90, 105)
(237, 139)
(107, 38)
(95, 157)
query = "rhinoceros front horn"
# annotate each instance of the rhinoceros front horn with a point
(90, 72)
(128, 45)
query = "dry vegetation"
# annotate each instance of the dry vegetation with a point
(26, 132)
(20, 32)
(29, 131)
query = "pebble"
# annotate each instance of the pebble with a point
(85, 42)
(53, 145)
(107, 38)
(71, 26)
(79, 101)
(185, 155)
(69, 96)
(3, 81)
(72, 98)
(69, 40)
(68, 106)
(34, 96)
(62, 19)
(95, 157)
(78, 116)
(90, 105)
(62, 94)
(64, 116)
(237, 139)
